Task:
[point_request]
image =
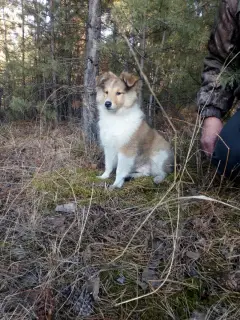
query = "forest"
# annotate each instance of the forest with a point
(70, 248)
(43, 52)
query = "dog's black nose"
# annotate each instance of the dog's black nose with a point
(108, 104)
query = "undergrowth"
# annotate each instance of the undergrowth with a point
(82, 184)
(147, 251)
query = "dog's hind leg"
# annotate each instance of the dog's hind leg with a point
(124, 167)
(137, 175)
(110, 162)
(142, 171)
(158, 166)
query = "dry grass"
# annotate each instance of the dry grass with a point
(114, 241)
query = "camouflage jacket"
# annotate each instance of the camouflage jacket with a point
(214, 98)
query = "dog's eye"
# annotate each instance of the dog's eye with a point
(106, 92)
(118, 93)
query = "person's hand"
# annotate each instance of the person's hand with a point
(211, 128)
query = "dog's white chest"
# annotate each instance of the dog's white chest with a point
(116, 131)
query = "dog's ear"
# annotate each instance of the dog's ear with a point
(100, 80)
(129, 79)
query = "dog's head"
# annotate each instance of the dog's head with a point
(115, 93)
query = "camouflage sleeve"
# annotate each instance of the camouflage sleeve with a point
(214, 99)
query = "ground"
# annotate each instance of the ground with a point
(143, 252)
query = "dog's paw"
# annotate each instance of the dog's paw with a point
(113, 186)
(158, 179)
(103, 176)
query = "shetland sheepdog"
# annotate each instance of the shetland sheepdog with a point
(130, 145)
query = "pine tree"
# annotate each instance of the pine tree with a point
(91, 71)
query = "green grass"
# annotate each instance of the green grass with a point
(82, 184)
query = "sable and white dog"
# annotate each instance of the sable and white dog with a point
(130, 145)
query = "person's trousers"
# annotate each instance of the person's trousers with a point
(226, 155)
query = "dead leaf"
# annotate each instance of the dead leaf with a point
(56, 221)
(82, 299)
(198, 316)
(158, 247)
(121, 279)
(67, 208)
(193, 255)
(43, 302)
(87, 255)
(150, 277)
(18, 253)
(232, 281)
(150, 273)
(93, 286)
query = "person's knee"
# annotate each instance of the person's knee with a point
(227, 159)
(226, 155)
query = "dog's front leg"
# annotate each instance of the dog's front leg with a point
(124, 167)
(110, 162)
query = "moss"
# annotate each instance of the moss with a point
(82, 184)
(181, 302)
(193, 295)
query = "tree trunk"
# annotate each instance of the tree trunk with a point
(23, 49)
(38, 77)
(68, 54)
(151, 111)
(142, 52)
(91, 71)
(52, 45)
(6, 75)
